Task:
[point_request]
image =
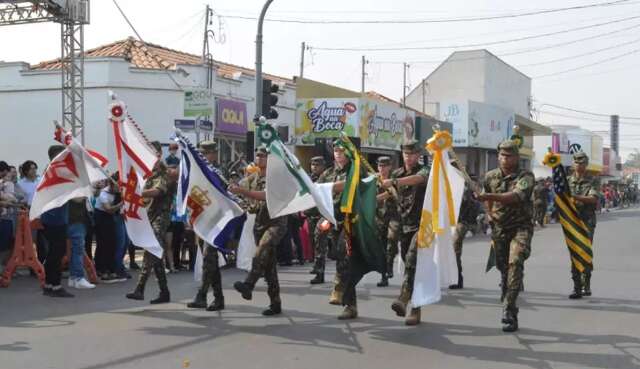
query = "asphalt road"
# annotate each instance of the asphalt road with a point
(101, 329)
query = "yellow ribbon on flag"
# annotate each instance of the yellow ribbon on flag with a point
(430, 223)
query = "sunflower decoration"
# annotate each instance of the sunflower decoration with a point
(441, 140)
(516, 137)
(552, 159)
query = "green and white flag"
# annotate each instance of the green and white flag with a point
(289, 188)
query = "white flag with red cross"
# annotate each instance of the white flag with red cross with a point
(136, 159)
(69, 175)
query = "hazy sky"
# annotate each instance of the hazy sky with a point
(605, 88)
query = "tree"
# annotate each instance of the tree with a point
(633, 160)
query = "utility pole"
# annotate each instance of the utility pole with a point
(405, 66)
(424, 95)
(364, 72)
(259, 111)
(207, 61)
(615, 140)
(302, 60)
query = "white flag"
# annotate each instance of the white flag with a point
(289, 188)
(435, 266)
(69, 175)
(136, 159)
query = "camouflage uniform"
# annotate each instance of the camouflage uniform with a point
(211, 275)
(158, 210)
(321, 239)
(469, 210)
(267, 232)
(584, 186)
(512, 229)
(410, 202)
(540, 196)
(313, 218)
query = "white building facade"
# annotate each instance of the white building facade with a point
(150, 79)
(483, 97)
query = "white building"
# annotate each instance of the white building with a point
(151, 79)
(483, 97)
(566, 140)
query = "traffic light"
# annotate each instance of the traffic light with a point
(269, 99)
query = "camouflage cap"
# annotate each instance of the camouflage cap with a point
(384, 160)
(262, 149)
(208, 146)
(318, 160)
(411, 146)
(509, 145)
(580, 158)
(338, 144)
(156, 145)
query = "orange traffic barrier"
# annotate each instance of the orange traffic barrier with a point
(24, 254)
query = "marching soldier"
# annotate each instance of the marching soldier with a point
(210, 268)
(267, 231)
(158, 193)
(584, 189)
(410, 181)
(508, 191)
(318, 166)
(467, 220)
(540, 196)
(337, 172)
(387, 220)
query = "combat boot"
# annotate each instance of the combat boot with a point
(217, 304)
(577, 289)
(586, 291)
(137, 294)
(335, 298)
(384, 282)
(318, 279)
(459, 285)
(510, 320)
(414, 317)
(200, 302)
(244, 289)
(400, 304)
(274, 309)
(349, 312)
(163, 297)
(399, 307)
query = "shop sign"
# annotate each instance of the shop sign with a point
(488, 125)
(198, 102)
(385, 125)
(231, 116)
(455, 112)
(319, 118)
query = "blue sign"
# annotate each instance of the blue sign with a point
(185, 124)
(190, 125)
(206, 125)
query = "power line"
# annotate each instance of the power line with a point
(581, 55)
(434, 47)
(521, 51)
(423, 21)
(590, 64)
(585, 112)
(141, 40)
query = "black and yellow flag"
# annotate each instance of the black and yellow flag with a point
(576, 233)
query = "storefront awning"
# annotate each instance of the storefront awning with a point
(532, 128)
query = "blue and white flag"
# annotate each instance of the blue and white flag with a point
(213, 212)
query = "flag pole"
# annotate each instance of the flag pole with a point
(57, 125)
(368, 166)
